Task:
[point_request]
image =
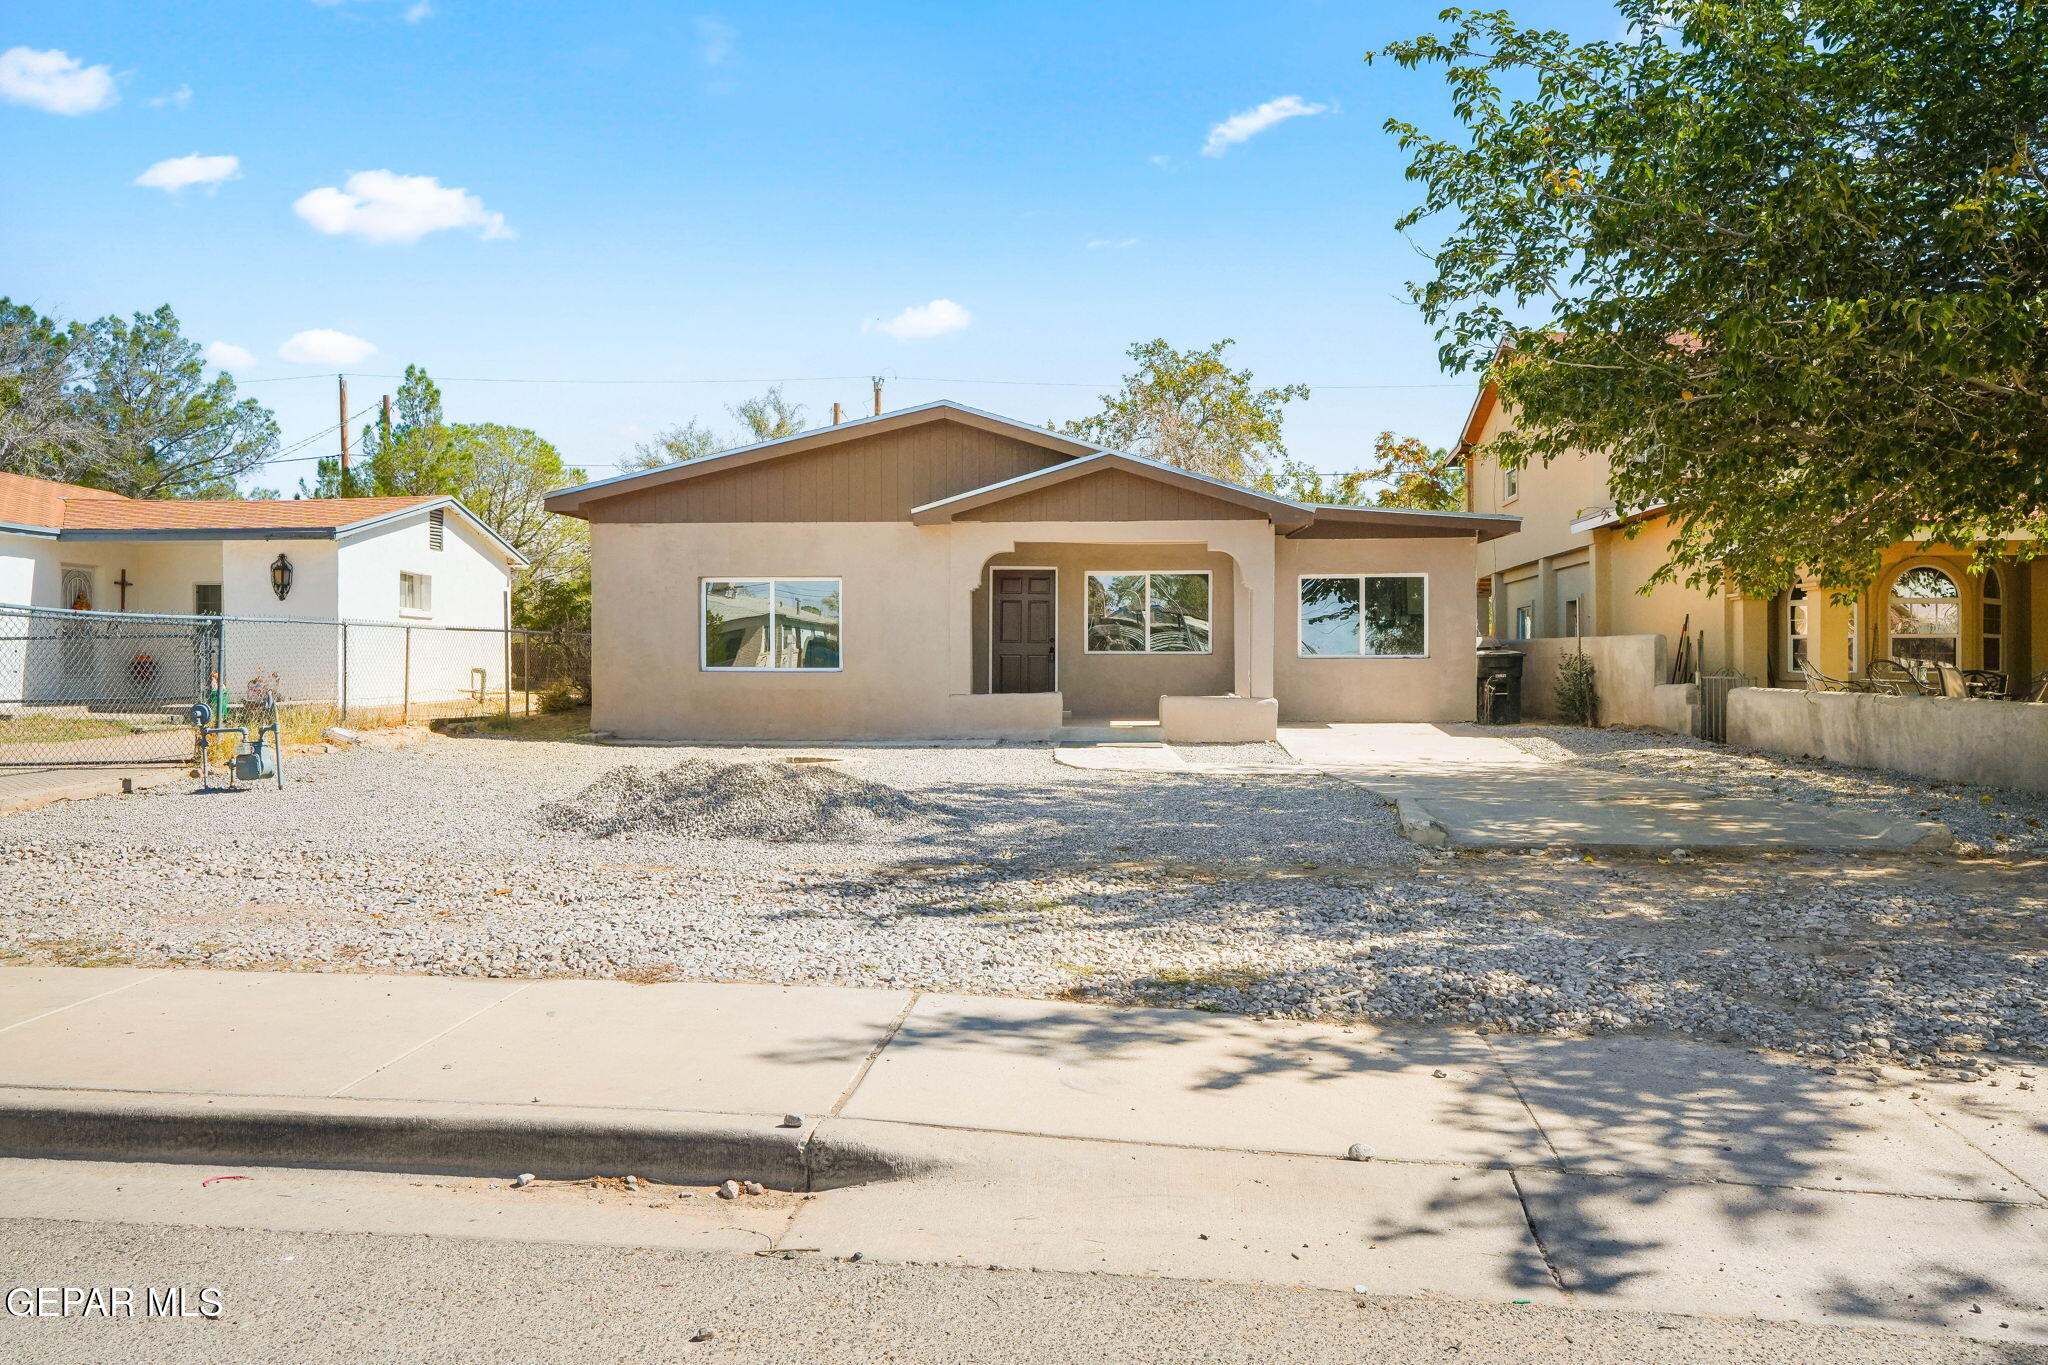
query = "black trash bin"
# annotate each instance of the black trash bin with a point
(1500, 686)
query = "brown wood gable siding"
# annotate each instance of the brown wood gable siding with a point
(1113, 495)
(870, 478)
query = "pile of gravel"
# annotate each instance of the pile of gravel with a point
(702, 798)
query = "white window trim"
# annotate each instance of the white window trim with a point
(1809, 606)
(1147, 652)
(704, 664)
(1515, 619)
(1360, 658)
(1986, 600)
(425, 613)
(1510, 485)
(1961, 632)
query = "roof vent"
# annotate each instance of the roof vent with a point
(437, 524)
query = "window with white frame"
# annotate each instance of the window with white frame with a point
(1364, 616)
(415, 593)
(771, 624)
(1525, 622)
(1798, 627)
(1924, 616)
(1993, 612)
(1149, 613)
(1510, 484)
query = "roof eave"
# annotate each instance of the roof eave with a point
(23, 528)
(200, 533)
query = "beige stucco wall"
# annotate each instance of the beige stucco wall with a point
(1441, 687)
(1991, 743)
(911, 637)
(1122, 685)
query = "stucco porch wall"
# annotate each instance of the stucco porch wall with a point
(1441, 687)
(1126, 685)
(1990, 743)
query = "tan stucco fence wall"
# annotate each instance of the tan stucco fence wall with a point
(914, 650)
(1629, 671)
(1990, 743)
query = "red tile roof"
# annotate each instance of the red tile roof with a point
(279, 514)
(40, 502)
(70, 507)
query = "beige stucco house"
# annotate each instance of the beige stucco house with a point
(945, 572)
(1577, 564)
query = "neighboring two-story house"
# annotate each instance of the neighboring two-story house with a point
(1577, 565)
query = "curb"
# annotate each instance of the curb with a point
(1418, 825)
(551, 1141)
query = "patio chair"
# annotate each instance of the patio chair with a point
(1893, 678)
(2036, 688)
(1987, 683)
(1949, 679)
(1817, 681)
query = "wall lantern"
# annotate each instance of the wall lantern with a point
(281, 577)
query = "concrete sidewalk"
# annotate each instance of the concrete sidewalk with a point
(1630, 1173)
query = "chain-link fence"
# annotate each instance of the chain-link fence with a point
(116, 687)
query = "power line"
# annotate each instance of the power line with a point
(816, 379)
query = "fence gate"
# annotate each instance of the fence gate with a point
(1714, 689)
(100, 688)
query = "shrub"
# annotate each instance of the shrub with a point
(560, 695)
(1578, 698)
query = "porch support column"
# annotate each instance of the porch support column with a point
(1256, 600)
(962, 573)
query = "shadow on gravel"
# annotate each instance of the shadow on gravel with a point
(1265, 821)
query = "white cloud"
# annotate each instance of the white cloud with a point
(1111, 243)
(182, 172)
(715, 40)
(417, 11)
(924, 320)
(225, 355)
(381, 206)
(54, 82)
(1249, 123)
(176, 99)
(324, 346)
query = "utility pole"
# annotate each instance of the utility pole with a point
(878, 395)
(346, 491)
(835, 414)
(384, 422)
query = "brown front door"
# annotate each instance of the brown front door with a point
(1022, 628)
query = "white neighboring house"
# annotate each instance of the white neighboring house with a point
(408, 561)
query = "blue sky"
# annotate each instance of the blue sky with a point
(740, 193)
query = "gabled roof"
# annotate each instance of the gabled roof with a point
(69, 511)
(570, 501)
(1285, 515)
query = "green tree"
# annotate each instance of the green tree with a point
(123, 404)
(1785, 263)
(1406, 473)
(768, 417)
(1191, 410)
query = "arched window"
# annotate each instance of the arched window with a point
(1924, 616)
(1994, 622)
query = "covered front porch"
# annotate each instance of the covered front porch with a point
(1111, 632)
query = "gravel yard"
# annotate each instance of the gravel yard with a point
(1278, 893)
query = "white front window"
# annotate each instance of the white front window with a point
(1798, 628)
(1364, 616)
(771, 624)
(415, 594)
(1525, 622)
(1510, 484)
(1149, 613)
(1924, 616)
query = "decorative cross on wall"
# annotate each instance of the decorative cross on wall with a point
(123, 584)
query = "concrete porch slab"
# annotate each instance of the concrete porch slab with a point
(743, 1048)
(1116, 1208)
(1182, 1076)
(2007, 1124)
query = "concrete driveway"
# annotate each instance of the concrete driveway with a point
(1464, 786)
